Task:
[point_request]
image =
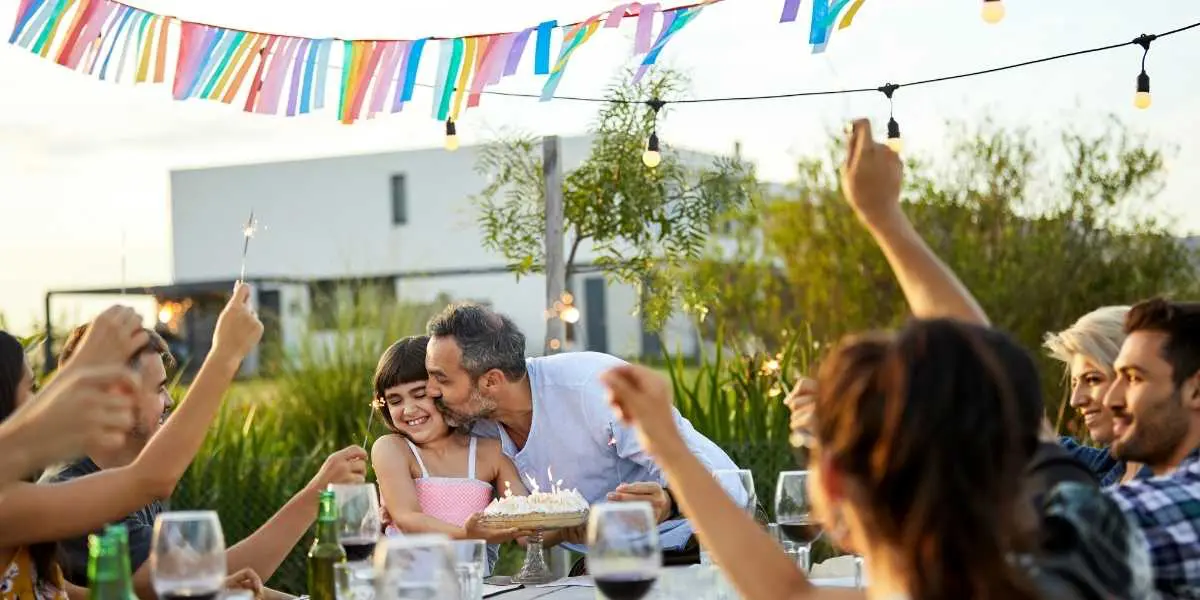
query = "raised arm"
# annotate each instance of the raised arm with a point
(871, 178)
(755, 564)
(113, 493)
(265, 549)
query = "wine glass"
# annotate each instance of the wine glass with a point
(415, 567)
(358, 519)
(187, 555)
(739, 484)
(793, 513)
(624, 556)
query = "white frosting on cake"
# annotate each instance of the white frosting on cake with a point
(559, 501)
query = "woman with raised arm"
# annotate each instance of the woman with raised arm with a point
(926, 487)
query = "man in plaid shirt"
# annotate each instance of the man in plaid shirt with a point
(1156, 420)
(1168, 511)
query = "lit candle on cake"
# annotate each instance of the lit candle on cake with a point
(533, 484)
(507, 489)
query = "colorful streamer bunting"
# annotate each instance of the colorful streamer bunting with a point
(824, 13)
(285, 75)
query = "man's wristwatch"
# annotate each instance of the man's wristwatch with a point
(673, 513)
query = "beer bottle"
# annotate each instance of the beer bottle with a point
(325, 552)
(120, 537)
(104, 569)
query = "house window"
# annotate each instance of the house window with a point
(399, 200)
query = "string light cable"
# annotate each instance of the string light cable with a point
(652, 155)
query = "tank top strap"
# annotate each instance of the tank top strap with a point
(417, 454)
(471, 460)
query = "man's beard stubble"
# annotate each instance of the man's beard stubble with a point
(1157, 438)
(482, 409)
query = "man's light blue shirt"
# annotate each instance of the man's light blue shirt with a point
(574, 431)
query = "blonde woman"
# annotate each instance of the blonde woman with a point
(1088, 348)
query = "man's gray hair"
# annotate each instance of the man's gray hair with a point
(488, 340)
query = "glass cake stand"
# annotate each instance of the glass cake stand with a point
(535, 571)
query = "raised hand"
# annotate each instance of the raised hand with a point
(800, 401)
(238, 328)
(641, 397)
(84, 410)
(871, 177)
(348, 465)
(113, 338)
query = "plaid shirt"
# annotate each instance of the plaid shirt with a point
(1168, 511)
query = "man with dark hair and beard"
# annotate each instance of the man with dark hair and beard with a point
(1156, 421)
(552, 415)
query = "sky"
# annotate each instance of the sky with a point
(84, 164)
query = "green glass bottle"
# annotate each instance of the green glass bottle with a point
(104, 569)
(120, 537)
(325, 552)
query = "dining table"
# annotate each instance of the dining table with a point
(685, 583)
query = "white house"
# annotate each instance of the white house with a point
(404, 219)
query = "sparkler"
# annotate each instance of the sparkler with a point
(248, 231)
(370, 421)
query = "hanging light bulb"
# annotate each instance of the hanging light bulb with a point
(993, 11)
(893, 128)
(451, 136)
(652, 157)
(1142, 98)
(894, 141)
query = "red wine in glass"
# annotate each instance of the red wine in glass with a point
(357, 549)
(630, 586)
(800, 531)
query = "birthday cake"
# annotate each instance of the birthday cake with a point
(556, 508)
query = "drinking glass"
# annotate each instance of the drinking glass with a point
(354, 581)
(470, 560)
(415, 567)
(793, 512)
(187, 555)
(358, 519)
(739, 484)
(624, 556)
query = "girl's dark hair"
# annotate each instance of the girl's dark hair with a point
(930, 430)
(12, 369)
(403, 362)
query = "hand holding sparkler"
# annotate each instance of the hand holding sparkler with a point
(248, 231)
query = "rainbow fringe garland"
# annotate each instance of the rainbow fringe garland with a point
(117, 42)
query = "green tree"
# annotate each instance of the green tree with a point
(1040, 235)
(645, 226)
